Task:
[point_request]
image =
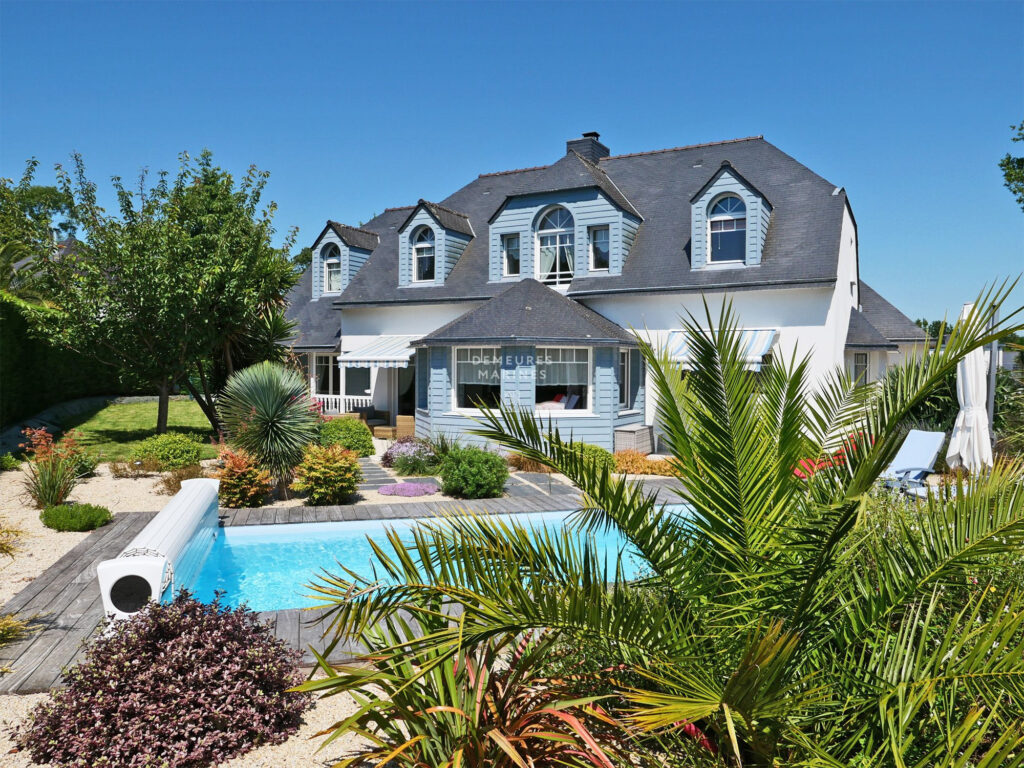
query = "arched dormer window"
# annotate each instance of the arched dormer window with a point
(555, 239)
(727, 225)
(330, 256)
(423, 255)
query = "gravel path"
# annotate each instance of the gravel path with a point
(298, 752)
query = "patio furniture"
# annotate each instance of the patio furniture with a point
(371, 417)
(914, 461)
(165, 555)
(635, 437)
(405, 426)
(384, 432)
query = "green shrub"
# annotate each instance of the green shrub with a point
(597, 455)
(8, 462)
(169, 451)
(348, 433)
(242, 483)
(473, 473)
(328, 475)
(75, 517)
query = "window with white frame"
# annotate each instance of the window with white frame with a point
(599, 245)
(727, 230)
(860, 367)
(331, 258)
(625, 378)
(510, 255)
(477, 377)
(327, 375)
(423, 255)
(556, 236)
(562, 379)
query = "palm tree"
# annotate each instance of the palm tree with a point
(790, 621)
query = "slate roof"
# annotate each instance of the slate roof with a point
(890, 322)
(354, 237)
(878, 324)
(318, 326)
(862, 333)
(447, 218)
(801, 247)
(530, 312)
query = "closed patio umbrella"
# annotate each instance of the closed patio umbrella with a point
(971, 444)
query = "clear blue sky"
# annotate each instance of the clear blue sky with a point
(356, 107)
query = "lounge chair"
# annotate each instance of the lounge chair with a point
(915, 460)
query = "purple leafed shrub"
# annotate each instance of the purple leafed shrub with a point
(409, 489)
(178, 685)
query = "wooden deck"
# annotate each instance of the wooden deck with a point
(64, 601)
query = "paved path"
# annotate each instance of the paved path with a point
(65, 599)
(374, 476)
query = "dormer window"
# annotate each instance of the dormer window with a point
(727, 222)
(331, 258)
(510, 255)
(423, 255)
(556, 236)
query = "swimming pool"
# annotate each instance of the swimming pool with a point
(267, 566)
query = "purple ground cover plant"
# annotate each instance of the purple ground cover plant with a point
(180, 685)
(409, 490)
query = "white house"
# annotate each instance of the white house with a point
(525, 285)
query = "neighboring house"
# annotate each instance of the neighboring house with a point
(527, 286)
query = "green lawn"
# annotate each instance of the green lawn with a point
(113, 431)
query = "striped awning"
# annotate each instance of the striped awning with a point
(755, 343)
(381, 352)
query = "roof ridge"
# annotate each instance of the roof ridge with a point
(592, 165)
(444, 208)
(399, 208)
(514, 170)
(357, 229)
(688, 146)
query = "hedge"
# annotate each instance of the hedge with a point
(35, 375)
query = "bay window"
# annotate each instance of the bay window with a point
(562, 379)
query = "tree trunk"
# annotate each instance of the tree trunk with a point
(205, 401)
(164, 391)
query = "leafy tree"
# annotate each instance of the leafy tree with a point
(175, 284)
(303, 259)
(1013, 168)
(787, 621)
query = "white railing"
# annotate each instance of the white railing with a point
(342, 403)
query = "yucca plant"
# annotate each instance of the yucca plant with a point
(482, 708)
(788, 625)
(267, 412)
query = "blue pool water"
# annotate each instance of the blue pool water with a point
(268, 566)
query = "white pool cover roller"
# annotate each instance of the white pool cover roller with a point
(165, 555)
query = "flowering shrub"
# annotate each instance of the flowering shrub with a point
(181, 684)
(417, 459)
(75, 517)
(328, 475)
(401, 447)
(172, 450)
(473, 473)
(409, 490)
(635, 463)
(348, 433)
(52, 468)
(242, 483)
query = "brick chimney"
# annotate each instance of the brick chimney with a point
(589, 146)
